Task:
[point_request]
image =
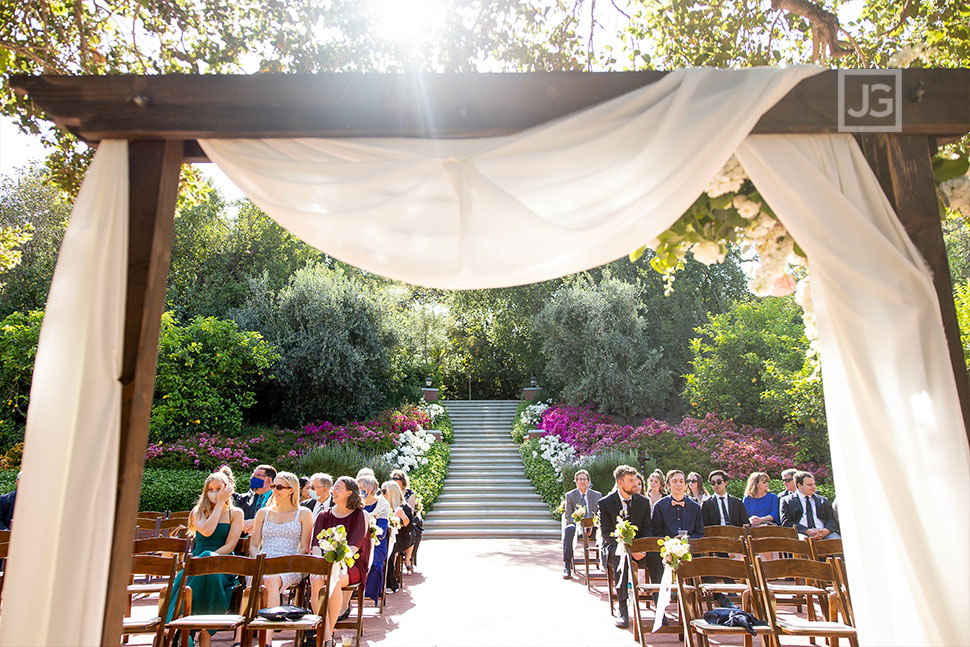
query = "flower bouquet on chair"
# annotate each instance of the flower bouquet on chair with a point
(673, 551)
(334, 546)
(374, 531)
(579, 514)
(624, 534)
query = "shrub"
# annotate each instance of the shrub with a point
(439, 420)
(8, 480)
(601, 466)
(595, 343)
(18, 349)
(428, 479)
(575, 425)
(11, 433)
(11, 460)
(541, 473)
(528, 416)
(206, 373)
(171, 489)
(344, 460)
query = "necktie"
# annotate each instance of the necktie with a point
(724, 513)
(586, 505)
(809, 516)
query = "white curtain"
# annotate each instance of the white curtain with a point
(59, 553)
(895, 427)
(567, 196)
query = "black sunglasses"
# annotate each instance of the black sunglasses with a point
(717, 482)
(282, 487)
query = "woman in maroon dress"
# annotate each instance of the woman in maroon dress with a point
(347, 511)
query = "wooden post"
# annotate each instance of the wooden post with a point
(902, 164)
(153, 177)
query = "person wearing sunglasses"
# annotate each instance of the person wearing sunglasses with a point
(788, 478)
(696, 491)
(722, 509)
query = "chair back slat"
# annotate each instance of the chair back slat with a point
(731, 532)
(822, 548)
(759, 532)
(705, 545)
(713, 567)
(152, 564)
(645, 545)
(228, 564)
(808, 569)
(308, 564)
(588, 522)
(780, 545)
(161, 545)
(148, 514)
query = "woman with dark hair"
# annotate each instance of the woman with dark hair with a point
(695, 489)
(411, 498)
(761, 505)
(656, 489)
(347, 511)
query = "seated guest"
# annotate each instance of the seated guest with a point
(677, 512)
(788, 478)
(304, 489)
(411, 498)
(319, 492)
(282, 527)
(365, 471)
(584, 496)
(216, 525)
(347, 511)
(762, 505)
(722, 509)
(260, 488)
(7, 502)
(379, 510)
(655, 488)
(622, 501)
(641, 486)
(696, 491)
(405, 535)
(809, 513)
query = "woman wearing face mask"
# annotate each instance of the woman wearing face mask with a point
(347, 511)
(281, 528)
(216, 525)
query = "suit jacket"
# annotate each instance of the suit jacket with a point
(736, 513)
(638, 514)
(574, 500)
(791, 513)
(7, 502)
(248, 502)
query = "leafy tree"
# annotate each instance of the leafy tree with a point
(19, 332)
(749, 365)
(206, 375)
(336, 338)
(961, 298)
(594, 340)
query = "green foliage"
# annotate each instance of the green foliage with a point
(11, 433)
(542, 474)
(429, 479)
(594, 340)
(519, 429)
(18, 348)
(336, 336)
(8, 480)
(344, 460)
(961, 299)
(168, 489)
(601, 467)
(749, 365)
(205, 377)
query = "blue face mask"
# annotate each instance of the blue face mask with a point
(256, 483)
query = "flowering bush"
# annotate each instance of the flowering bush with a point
(541, 473)
(554, 450)
(532, 415)
(411, 449)
(574, 425)
(439, 420)
(428, 479)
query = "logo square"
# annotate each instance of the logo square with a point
(870, 101)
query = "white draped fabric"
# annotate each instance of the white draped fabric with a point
(59, 550)
(556, 199)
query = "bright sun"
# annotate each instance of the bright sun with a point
(407, 19)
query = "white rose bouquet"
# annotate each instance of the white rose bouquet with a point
(674, 550)
(333, 544)
(624, 533)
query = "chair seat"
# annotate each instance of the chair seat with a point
(817, 627)
(723, 587)
(308, 621)
(153, 587)
(796, 589)
(706, 627)
(229, 621)
(140, 625)
(649, 586)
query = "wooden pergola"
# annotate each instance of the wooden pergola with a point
(163, 116)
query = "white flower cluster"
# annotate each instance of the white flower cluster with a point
(558, 453)
(533, 413)
(728, 180)
(956, 190)
(411, 449)
(433, 410)
(774, 245)
(912, 53)
(677, 547)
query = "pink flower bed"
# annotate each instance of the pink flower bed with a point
(696, 444)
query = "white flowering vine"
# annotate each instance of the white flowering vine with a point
(434, 411)
(531, 416)
(556, 452)
(411, 449)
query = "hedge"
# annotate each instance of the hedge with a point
(541, 473)
(427, 480)
(163, 489)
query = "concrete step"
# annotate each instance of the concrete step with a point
(475, 498)
(485, 454)
(475, 505)
(534, 511)
(496, 474)
(489, 533)
(492, 522)
(490, 489)
(463, 481)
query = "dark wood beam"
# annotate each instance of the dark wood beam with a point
(902, 164)
(153, 178)
(189, 107)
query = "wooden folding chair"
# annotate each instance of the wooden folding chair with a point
(355, 620)
(591, 558)
(761, 532)
(811, 571)
(822, 549)
(163, 546)
(146, 527)
(168, 527)
(730, 532)
(4, 549)
(723, 547)
(215, 564)
(149, 514)
(799, 592)
(161, 566)
(693, 585)
(643, 592)
(842, 589)
(309, 565)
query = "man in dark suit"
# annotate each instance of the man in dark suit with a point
(809, 513)
(722, 509)
(7, 502)
(622, 502)
(260, 489)
(788, 478)
(589, 499)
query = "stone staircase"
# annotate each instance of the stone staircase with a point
(487, 493)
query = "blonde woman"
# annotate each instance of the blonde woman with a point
(216, 525)
(405, 535)
(282, 528)
(695, 489)
(762, 505)
(655, 488)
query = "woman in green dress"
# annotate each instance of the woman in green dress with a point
(216, 524)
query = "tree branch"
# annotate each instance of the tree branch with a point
(825, 27)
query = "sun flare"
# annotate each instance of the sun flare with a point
(408, 19)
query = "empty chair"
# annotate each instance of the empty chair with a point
(163, 567)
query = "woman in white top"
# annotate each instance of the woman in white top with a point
(282, 528)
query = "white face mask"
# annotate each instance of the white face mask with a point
(313, 494)
(213, 495)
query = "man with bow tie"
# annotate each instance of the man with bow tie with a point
(583, 496)
(809, 513)
(623, 501)
(675, 512)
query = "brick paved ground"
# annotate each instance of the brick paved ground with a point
(471, 593)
